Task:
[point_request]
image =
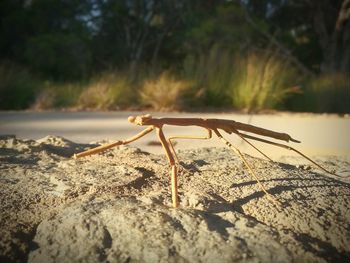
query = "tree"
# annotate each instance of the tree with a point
(313, 31)
(131, 32)
(336, 41)
(48, 36)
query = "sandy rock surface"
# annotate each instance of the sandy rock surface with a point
(115, 207)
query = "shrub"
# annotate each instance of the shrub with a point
(17, 87)
(164, 93)
(57, 95)
(331, 93)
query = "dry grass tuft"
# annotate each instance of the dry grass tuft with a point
(164, 93)
(57, 95)
(108, 91)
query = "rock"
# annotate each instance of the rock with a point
(116, 206)
(126, 230)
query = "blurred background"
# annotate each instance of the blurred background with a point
(190, 55)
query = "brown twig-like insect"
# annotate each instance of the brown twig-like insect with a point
(211, 125)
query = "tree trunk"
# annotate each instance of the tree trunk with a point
(334, 38)
(338, 59)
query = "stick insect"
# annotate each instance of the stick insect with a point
(211, 126)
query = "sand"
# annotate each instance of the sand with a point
(116, 206)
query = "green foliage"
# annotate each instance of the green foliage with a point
(51, 37)
(331, 93)
(58, 56)
(251, 82)
(225, 26)
(17, 87)
(211, 74)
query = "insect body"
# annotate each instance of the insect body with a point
(212, 126)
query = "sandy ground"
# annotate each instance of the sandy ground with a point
(115, 206)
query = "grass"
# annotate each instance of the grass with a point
(110, 90)
(331, 93)
(210, 74)
(164, 93)
(252, 82)
(325, 93)
(55, 95)
(262, 81)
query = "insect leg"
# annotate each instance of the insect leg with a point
(244, 139)
(104, 147)
(174, 192)
(250, 169)
(187, 137)
(288, 148)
